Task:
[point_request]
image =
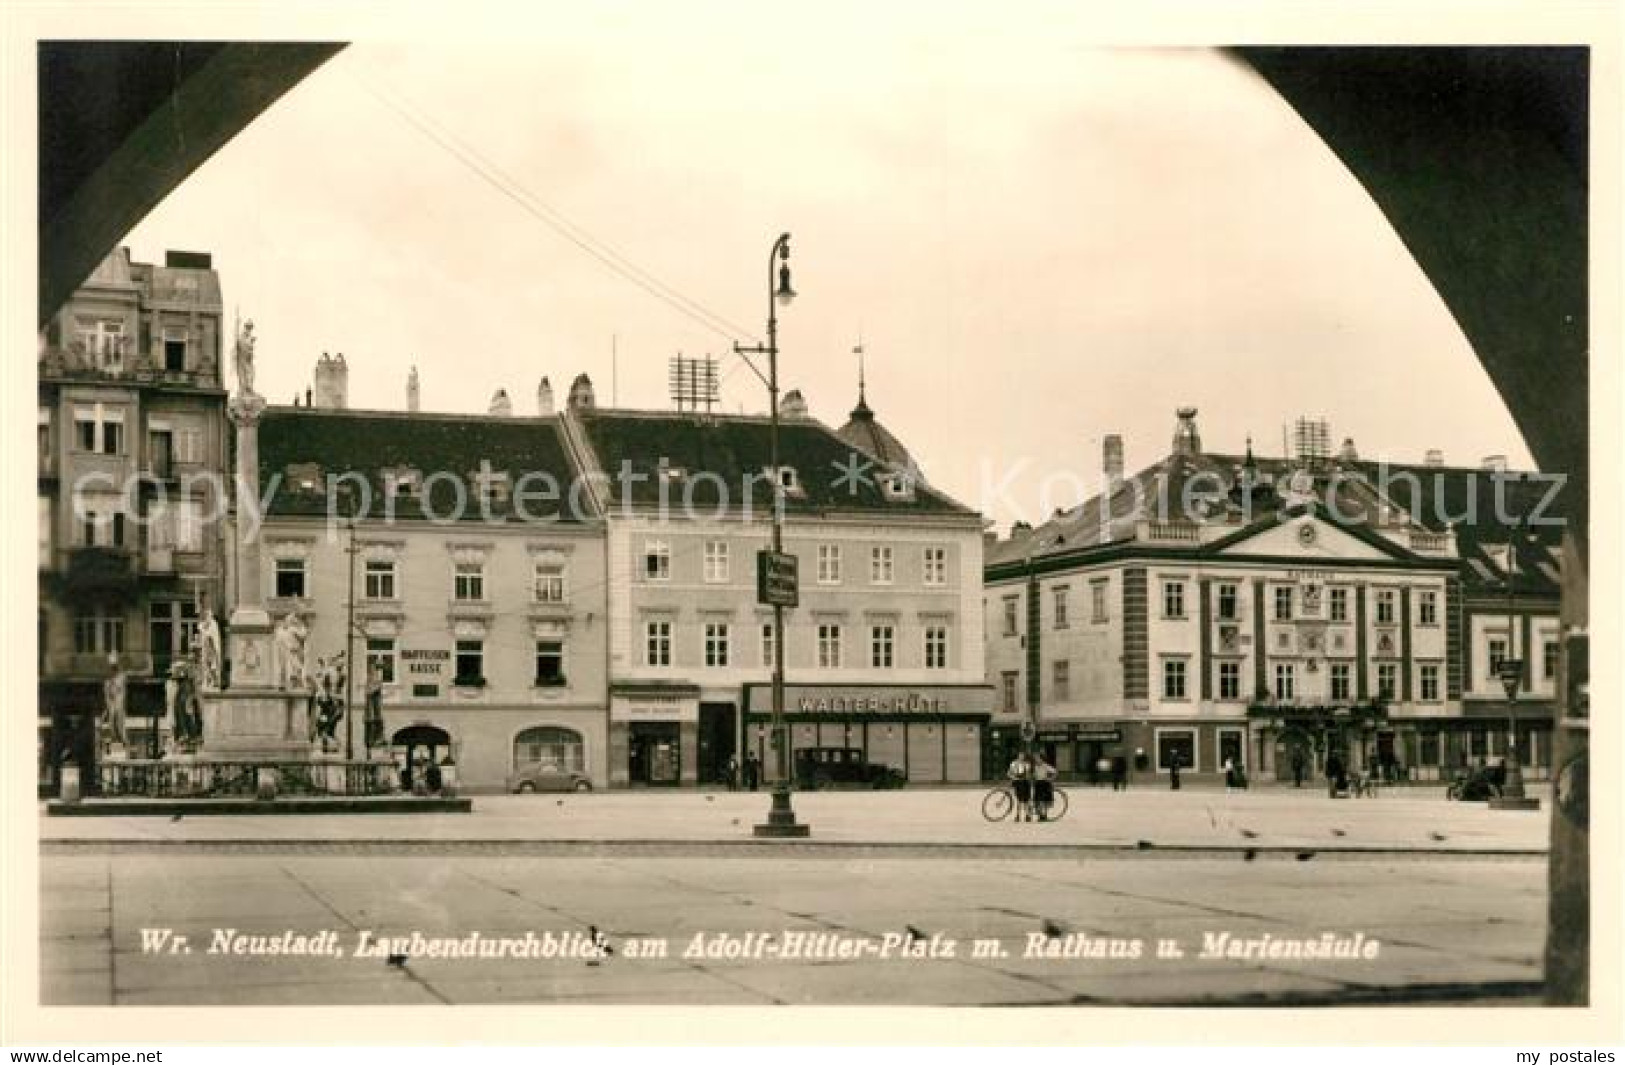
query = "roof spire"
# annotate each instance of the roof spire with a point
(862, 409)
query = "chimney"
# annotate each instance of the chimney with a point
(1347, 452)
(332, 382)
(501, 405)
(412, 390)
(793, 405)
(1187, 440)
(581, 396)
(1495, 463)
(544, 398)
(1434, 458)
(1111, 457)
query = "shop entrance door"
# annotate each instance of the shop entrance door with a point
(716, 740)
(655, 755)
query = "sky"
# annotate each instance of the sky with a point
(1038, 241)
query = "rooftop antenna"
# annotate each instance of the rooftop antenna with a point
(858, 351)
(693, 382)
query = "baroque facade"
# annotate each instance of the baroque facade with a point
(1273, 611)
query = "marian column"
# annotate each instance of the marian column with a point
(250, 649)
(254, 719)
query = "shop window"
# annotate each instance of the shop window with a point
(1176, 743)
(548, 745)
(1429, 751)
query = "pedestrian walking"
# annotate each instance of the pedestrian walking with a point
(1119, 773)
(1337, 781)
(753, 771)
(1300, 766)
(733, 772)
(1173, 771)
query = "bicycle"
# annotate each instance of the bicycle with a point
(999, 802)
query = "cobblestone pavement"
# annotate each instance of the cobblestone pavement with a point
(1463, 929)
(1400, 820)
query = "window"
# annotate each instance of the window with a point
(936, 647)
(1230, 680)
(1286, 681)
(1060, 605)
(829, 646)
(1007, 692)
(380, 579)
(550, 745)
(829, 564)
(1173, 678)
(98, 633)
(1176, 745)
(549, 663)
(716, 644)
(174, 351)
(882, 641)
(657, 643)
(468, 582)
(716, 561)
(767, 644)
(547, 583)
(880, 565)
(1012, 609)
(1548, 659)
(1061, 679)
(1228, 606)
(188, 525)
(84, 432)
(657, 561)
(189, 446)
(1498, 654)
(1385, 606)
(1337, 600)
(45, 447)
(1097, 602)
(171, 627)
(1387, 680)
(405, 484)
(936, 565)
(470, 662)
(1429, 754)
(161, 452)
(1427, 608)
(381, 658)
(290, 578)
(1283, 604)
(1342, 688)
(1429, 682)
(103, 341)
(1173, 599)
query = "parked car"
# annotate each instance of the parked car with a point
(545, 776)
(1477, 784)
(824, 767)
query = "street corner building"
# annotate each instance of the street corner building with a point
(1274, 612)
(131, 449)
(883, 654)
(448, 546)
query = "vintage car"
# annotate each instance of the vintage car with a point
(546, 776)
(827, 767)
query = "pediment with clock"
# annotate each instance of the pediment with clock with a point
(1307, 536)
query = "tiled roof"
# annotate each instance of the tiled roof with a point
(734, 448)
(1434, 498)
(303, 441)
(1465, 498)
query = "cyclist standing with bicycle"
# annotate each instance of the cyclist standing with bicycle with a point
(1021, 782)
(1044, 776)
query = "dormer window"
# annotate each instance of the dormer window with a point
(305, 477)
(671, 474)
(789, 482)
(404, 484)
(898, 486)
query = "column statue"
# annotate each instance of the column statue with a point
(114, 690)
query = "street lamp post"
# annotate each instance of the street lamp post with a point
(1513, 796)
(781, 817)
